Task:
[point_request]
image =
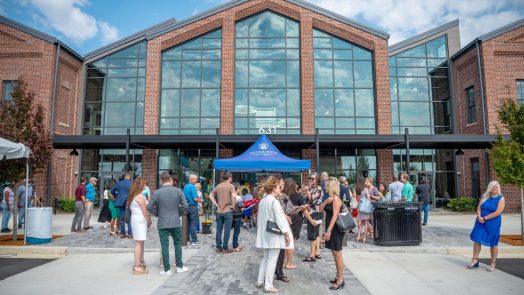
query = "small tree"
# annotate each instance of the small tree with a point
(22, 121)
(508, 155)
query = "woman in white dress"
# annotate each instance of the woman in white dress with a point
(271, 243)
(140, 221)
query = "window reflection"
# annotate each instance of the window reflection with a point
(191, 79)
(267, 74)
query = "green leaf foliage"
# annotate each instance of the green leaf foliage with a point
(507, 156)
(463, 204)
(67, 204)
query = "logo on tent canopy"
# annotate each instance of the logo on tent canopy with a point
(263, 146)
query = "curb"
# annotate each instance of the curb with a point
(460, 251)
(35, 251)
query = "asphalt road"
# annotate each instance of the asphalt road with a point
(513, 266)
(12, 266)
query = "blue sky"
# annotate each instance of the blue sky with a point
(86, 25)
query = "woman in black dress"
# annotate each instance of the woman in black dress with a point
(297, 219)
(333, 236)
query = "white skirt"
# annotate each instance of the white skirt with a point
(139, 227)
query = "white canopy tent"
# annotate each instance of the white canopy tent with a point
(10, 150)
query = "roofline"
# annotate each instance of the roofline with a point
(131, 39)
(502, 30)
(464, 49)
(40, 35)
(423, 35)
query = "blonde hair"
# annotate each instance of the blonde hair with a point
(270, 184)
(198, 185)
(487, 193)
(333, 186)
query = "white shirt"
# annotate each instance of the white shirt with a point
(396, 190)
(11, 196)
(269, 209)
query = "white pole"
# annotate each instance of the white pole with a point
(26, 204)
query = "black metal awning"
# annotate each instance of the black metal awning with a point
(436, 141)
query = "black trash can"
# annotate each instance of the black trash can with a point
(397, 223)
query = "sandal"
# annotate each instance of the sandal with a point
(272, 290)
(309, 259)
(491, 267)
(290, 266)
(137, 271)
(318, 257)
(283, 279)
(238, 249)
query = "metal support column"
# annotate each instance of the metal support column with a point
(317, 147)
(406, 139)
(128, 139)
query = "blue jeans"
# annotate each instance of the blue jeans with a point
(193, 221)
(21, 215)
(6, 216)
(237, 224)
(123, 224)
(425, 208)
(224, 221)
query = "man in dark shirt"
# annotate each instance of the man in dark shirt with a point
(422, 192)
(80, 195)
(120, 192)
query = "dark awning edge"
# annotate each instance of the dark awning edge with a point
(437, 141)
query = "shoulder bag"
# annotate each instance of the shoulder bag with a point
(272, 226)
(345, 221)
(353, 204)
(365, 205)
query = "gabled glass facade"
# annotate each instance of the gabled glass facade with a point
(114, 93)
(343, 79)
(420, 96)
(267, 75)
(190, 87)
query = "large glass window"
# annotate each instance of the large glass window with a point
(267, 75)
(352, 163)
(420, 98)
(471, 105)
(343, 80)
(190, 91)
(8, 87)
(114, 94)
(520, 92)
(183, 163)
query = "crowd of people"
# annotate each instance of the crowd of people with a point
(277, 207)
(8, 203)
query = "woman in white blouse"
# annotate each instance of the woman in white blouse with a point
(271, 243)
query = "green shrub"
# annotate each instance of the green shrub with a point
(67, 204)
(463, 204)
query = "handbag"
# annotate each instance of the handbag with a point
(365, 205)
(345, 221)
(353, 204)
(272, 226)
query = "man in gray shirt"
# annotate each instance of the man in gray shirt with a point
(166, 203)
(395, 188)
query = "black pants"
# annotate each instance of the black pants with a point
(280, 263)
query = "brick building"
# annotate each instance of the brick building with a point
(327, 88)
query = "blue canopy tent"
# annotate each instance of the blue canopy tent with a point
(262, 156)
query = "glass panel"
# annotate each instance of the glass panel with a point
(364, 99)
(291, 28)
(242, 43)
(437, 47)
(119, 114)
(327, 123)
(293, 102)
(324, 103)
(343, 71)
(366, 123)
(419, 51)
(241, 73)
(241, 105)
(122, 63)
(139, 121)
(211, 123)
(267, 24)
(414, 114)
(170, 103)
(130, 52)
(175, 53)
(189, 102)
(323, 73)
(211, 102)
(171, 74)
(408, 72)
(345, 123)
(360, 53)
(211, 73)
(344, 103)
(267, 43)
(242, 29)
(323, 54)
(322, 42)
(192, 54)
(121, 89)
(169, 123)
(437, 62)
(293, 74)
(267, 53)
(191, 75)
(411, 62)
(194, 44)
(211, 54)
(363, 74)
(212, 43)
(292, 54)
(343, 54)
(242, 54)
(267, 73)
(413, 89)
(341, 44)
(292, 42)
(394, 113)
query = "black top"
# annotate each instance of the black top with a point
(422, 192)
(297, 200)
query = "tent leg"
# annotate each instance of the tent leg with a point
(26, 204)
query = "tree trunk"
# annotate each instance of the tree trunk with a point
(15, 218)
(522, 214)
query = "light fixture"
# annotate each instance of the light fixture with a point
(73, 153)
(459, 152)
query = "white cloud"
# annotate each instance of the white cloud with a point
(109, 32)
(406, 18)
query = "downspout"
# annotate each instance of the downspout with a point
(483, 105)
(52, 127)
(453, 126)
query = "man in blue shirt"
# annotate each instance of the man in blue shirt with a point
(120, 192)
(190, 192)
(90, 198)
(20, 192)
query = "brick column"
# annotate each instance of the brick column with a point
(385, 166)
(306, 67)
(309, 154)
(150, 168)
(227, 102)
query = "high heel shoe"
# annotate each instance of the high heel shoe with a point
(474, 263)
(338, 286)
(333, 281)
(491, 267)
(359, 240)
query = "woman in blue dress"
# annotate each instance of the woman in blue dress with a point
(487, 226)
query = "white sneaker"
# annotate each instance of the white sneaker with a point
(166, 273)
(105, 226)
(183, 269)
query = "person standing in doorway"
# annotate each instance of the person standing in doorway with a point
(166, 203)
(395, 188)
(7, 206)
(120, 193)
(90, 198)
(225, 203)
(422, 192)
(407, 189)
(80, 195)
(190, 192)
(20, 192)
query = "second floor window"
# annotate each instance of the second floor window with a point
(520, 92)
(8, 88)
(470, 98)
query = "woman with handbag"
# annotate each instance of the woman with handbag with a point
(273, 233)
(334, 237)
(364, 211)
